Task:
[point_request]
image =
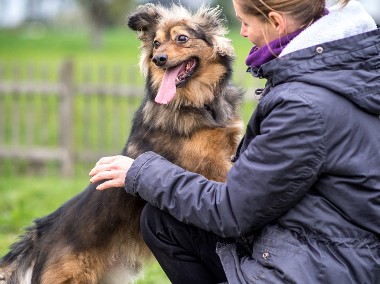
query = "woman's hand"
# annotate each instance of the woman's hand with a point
(113, 169)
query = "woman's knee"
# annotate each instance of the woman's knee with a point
(152, 222)
(146, 220)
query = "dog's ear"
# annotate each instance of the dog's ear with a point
(213, 23)
(144, 20)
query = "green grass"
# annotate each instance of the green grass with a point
(120, 45)
(26, 198)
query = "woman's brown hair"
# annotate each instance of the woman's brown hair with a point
(303, 11)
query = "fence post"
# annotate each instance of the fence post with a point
(65, 116)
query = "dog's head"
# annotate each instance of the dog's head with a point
(184, 54)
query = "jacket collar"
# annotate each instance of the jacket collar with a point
(340, 23)
(349, 67)
(348, 21)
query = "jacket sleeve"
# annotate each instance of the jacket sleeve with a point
(274, 171)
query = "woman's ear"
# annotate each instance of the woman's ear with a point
(278, 21)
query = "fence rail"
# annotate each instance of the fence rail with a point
(64, 119)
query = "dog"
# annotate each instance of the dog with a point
(189, 115)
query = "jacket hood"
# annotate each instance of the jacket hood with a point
(339, 52)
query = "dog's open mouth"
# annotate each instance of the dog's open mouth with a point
(174, 78)
(188, 68)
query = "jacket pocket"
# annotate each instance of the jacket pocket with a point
(281, 254)
(239, 269)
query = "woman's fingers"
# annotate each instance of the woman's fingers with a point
(106, 164)
(107, 184)
(113, 179)
(100, 168)
(107, 160)
(102, 175)
(111, 170)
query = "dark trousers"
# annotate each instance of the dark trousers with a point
(185, 253)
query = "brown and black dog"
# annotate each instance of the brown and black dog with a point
(189, 115)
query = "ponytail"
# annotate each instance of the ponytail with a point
(302, 11)
(343, 2)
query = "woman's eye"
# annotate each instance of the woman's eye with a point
(156, 44)
(182, 39)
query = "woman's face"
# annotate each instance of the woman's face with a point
(258, 32)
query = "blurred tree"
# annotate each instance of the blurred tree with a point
(228, 11)
(227, 6)
(104, 13)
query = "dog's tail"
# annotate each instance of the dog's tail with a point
(17, 265)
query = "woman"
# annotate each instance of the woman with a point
(302, 202)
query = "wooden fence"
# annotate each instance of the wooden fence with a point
(66, 114)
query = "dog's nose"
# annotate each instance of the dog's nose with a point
(160, 59)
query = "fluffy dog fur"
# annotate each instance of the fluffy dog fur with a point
(94, 237)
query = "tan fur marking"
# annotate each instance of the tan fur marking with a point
(202, 154)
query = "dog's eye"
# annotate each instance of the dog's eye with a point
(156, 44)
(182, 39)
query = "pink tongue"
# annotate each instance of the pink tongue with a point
(168, 89)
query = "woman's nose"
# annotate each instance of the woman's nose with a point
(243, 31)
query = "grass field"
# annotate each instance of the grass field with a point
(23, 197)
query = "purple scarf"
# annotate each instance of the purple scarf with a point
(259, 56)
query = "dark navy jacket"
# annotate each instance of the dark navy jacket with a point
(303, 197)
